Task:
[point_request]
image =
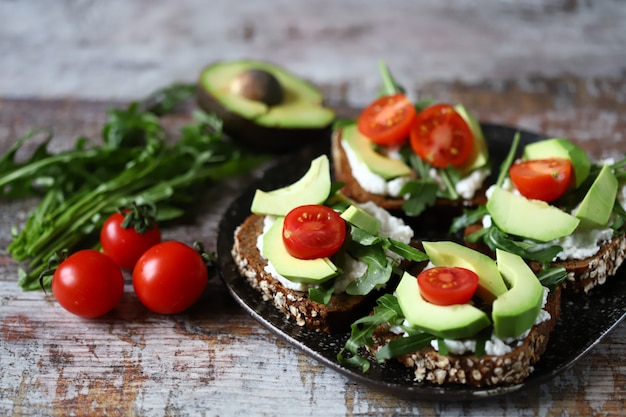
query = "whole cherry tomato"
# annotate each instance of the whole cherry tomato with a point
(88, 283)
(170, 277)
(127, 234)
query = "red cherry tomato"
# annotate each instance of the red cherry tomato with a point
(170, 277)
(88, 283)
(441, 137)
(313, 231)
(126, 245)
(388, 120)
(447, 285)
(542, 179)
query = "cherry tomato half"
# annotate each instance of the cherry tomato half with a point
(447, 285)
(387, 120)
(441, 137)
(126, 245)
(88, 283)
(542, 179)
(313, 231)
(170, 277)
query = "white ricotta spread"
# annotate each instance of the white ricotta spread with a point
(582, 244)
(390, 226)
(468, 186)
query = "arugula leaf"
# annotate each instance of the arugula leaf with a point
(421, 194)
(387, 310)
(370, 249)
(390, 85)
(378, 271)
(508, 161)
(450, 177)
(406, 345)
(496, 238)
(551, 277)
(408, 252)
(469, 217)
(322, 293)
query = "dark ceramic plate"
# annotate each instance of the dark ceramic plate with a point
(584, 319)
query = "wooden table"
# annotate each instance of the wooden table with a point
(217, 360)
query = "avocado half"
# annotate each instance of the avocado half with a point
(264, 106)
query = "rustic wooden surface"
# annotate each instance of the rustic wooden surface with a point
(215, 359)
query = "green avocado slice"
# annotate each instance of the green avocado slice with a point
(516, 311)
(312, 188)
(456, 321)
(533, 219)
(597, 205)
(379, 164)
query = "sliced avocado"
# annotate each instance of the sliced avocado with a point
(480, 152)
(597, 205)
(263, 105)
(561, 148)
(490, 283)
(309, 271)
(516, 310)
(361, 219)
(312, 188)
(456, 321)
(387, 168)
(533, 219)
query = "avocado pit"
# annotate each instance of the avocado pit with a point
(258, 85)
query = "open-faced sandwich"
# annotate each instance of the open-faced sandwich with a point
(554, 206)
(317, 256)
(410, 157)
(465, 319)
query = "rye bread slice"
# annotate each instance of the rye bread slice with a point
(336, 316)
(582, 274)
(484, 371)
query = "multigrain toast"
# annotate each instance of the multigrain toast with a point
(335, 316)
(485, 371)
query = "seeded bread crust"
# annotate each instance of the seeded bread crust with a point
(336, 316)
(582, 274)
(352, 188)
(485, 371)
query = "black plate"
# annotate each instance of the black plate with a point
(584, 319)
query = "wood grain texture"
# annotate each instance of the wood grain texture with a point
(215, 359)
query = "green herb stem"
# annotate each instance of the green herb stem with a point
(136, 164)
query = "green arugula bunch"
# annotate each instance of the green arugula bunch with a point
(136, 163)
